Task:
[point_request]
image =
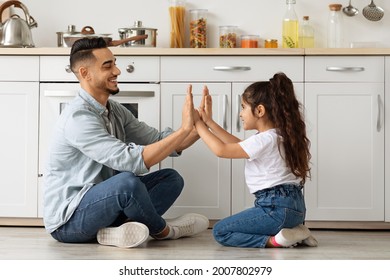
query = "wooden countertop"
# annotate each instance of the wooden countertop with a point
(205, 52)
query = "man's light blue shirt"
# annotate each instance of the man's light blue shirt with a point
(89, 144)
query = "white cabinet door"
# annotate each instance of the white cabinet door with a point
(19, 149)
(241, 197)
(387, 143)
(207, 178)
(346, 129)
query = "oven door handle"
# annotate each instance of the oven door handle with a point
(126, 93)
(60, 93)
(136, 93)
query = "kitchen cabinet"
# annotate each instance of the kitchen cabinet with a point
(207, 178)
(19, 94)
(344, 102)
(215, 187)
(387, 143)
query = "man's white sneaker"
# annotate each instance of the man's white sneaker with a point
(127, 235)
(188, 225)
(288, 237)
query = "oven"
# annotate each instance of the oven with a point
(139, 93)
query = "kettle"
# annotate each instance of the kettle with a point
(15, 32)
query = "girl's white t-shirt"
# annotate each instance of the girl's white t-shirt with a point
(266, 167)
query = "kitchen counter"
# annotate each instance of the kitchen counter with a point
(205, 52)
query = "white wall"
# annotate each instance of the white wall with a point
(262, 17)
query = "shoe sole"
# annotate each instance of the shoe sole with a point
(128, 235)
(292, 236)
(310, 241)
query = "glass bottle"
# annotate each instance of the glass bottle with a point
(177, 13)
(306, 34)
(335, 26)
(198, 28)
(290, 26)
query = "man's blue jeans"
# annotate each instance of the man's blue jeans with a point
(121, 198)
(275, 208)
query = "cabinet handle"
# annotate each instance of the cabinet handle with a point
(232, 68)
(224, 111)
(379, 119)
(238, 123)
(344, 69)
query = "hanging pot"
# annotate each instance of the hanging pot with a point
(15, 32)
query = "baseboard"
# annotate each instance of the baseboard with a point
(363, 225)
(34, 222)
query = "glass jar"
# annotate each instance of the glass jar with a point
(270, 43)
(198, 28)
(177, 13)
(249, 41)
(306, 34)
(228, 36)
(335, 26)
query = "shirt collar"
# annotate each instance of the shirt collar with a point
(92, 101)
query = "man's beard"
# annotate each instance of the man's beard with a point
(113, 91)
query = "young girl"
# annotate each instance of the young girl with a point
(276, 168)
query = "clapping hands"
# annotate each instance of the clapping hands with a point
(204, 112)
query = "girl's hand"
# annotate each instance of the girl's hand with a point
(207, 112)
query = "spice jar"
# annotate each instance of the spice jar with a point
(228, 36)
(270, 43)
(177, 13)
(249, 41)
(198, 28)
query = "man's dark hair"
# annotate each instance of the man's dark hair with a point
(82, 50)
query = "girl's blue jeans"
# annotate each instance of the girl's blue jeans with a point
(275, 208)
(121, 198)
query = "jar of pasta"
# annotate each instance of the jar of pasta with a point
(198, 28)
(228, 36)
(177, 13)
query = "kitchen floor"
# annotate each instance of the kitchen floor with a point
(33, 243)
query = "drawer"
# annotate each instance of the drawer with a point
(344, 69)
(19, 68)
(229, 68)
(133, 69)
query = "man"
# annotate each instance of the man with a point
(93, 185)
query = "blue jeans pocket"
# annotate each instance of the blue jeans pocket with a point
(292, 218)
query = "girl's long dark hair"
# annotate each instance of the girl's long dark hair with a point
(284, 111)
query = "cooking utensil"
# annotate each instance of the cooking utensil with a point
(88, 32)
(15, 32)
(350, 10)
(138, 30)
(373, 12)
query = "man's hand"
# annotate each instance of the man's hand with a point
(187, 113)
